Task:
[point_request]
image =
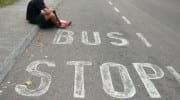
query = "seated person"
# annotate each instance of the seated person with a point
(44, 17)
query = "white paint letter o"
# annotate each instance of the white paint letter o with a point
(129, 88)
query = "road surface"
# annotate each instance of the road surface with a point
(114, 50)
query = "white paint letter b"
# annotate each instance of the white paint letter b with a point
(63, 37)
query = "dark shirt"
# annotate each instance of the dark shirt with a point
(34, 9)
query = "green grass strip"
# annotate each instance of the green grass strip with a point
(7, 2)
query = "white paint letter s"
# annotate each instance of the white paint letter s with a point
(114, 35)
(45, 79)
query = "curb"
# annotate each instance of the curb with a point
(12, 58)
(17, 52)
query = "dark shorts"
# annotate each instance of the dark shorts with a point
(42, 22)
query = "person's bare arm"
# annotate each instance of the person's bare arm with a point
(48, 10)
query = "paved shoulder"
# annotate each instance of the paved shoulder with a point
(16, 33)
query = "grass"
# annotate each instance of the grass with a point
(6, 2)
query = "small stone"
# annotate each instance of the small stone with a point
(33, 67)
(28, 83)
(1, 91)
(26, 51)
(32, 55)
(8, 82)
(40, 45)
(4, 87)
(11, 84)
(45, 56)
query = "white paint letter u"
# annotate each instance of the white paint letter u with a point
(96, 38)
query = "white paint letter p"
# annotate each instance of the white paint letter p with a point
(146, 78)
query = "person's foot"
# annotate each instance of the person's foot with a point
(60, 26)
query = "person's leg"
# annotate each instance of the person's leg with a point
(62, 22)
(52, 18)
(43, 22)
(56, 15)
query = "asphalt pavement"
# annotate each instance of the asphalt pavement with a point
(166, 11)
(113, 50)
(16, 33)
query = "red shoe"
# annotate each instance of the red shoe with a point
(64, 24)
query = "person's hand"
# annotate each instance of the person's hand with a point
(47, 11)
(51, 9)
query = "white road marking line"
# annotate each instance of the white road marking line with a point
(144, 39)
(116, 9)
(174, 73)
(110, 3)
(126, 20)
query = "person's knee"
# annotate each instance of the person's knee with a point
(49, 16)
